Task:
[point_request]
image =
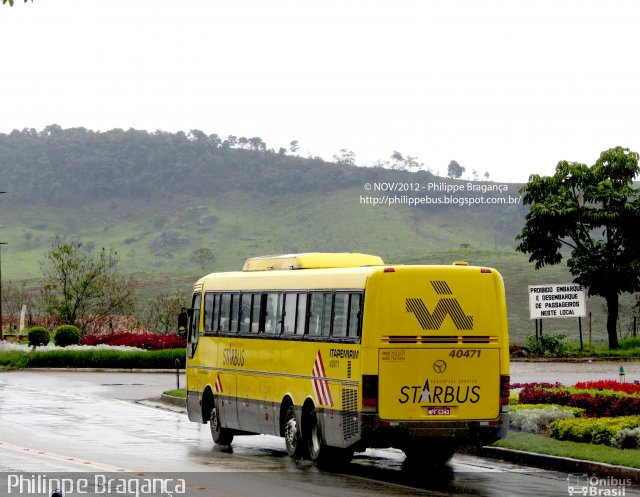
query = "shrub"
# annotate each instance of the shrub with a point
(66, 335)
(591, 430)
(630, 343)
(536, 418)
(546, 345)
(627, 438)
(38, 336)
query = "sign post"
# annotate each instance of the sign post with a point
(557, 300)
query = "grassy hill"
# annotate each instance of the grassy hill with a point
(155, 198)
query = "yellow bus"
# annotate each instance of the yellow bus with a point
(340, 352)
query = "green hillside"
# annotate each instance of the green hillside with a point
(156, 197)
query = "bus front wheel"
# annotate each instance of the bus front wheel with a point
(220, 435)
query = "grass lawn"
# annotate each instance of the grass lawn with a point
(590, 452)
(181, 393)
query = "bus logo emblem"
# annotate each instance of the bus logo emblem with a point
(439, 366)
(446, 306)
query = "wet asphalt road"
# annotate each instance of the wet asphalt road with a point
(89, 422)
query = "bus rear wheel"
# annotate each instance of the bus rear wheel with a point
(220, 435)
(292, 435)
(319, 452)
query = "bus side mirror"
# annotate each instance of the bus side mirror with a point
(183, 320)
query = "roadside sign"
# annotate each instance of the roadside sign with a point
(556, 300)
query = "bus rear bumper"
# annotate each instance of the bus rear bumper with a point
(379, 433)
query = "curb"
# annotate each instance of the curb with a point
(174, 401)
(568, 464)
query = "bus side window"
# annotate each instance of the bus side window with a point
(301, 320)
(235, 312)
(320, 314)
(290, 306)
(208, 312)
(340, 315)
(225, 312)
(255, 312)
(354, 315)
(245, 313)
(273, 316)
(216, 313)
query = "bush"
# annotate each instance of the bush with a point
(536, 418)
(590, 430)
(67, 334)
(630, 343)
(546, 345)
(627, 438)
(38, 336)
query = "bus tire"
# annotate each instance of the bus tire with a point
(292, 435)
(220, 435)
(319, 452)
(313, 438)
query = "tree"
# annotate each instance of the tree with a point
(346, 158)
(161, 314)
(455, 170)
(203, 257)
(81, 290)
(594, 212)
(11, 2)
(14, 296)
(398, 160)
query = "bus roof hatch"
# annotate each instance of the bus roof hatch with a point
(311, 260)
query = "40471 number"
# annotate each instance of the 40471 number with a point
(468, 353)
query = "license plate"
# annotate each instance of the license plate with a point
(438, 411)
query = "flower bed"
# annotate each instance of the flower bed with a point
(609, 385)
(596, 403)
(147, 341)
(611, 412)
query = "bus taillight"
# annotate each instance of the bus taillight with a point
(505, 379)
(370, 393)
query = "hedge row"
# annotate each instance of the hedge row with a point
(588, 430)
(100, 358)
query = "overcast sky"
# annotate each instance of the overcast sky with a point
(506, 87)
